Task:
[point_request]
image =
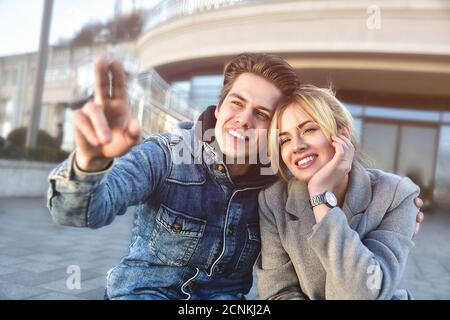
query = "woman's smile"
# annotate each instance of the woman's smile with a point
(305, 162)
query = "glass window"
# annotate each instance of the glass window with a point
(354, 109)
(181, 89)
(379, 143)
(205, 91)
(442, 183)
(446, 116)
(85, 79)
(417, 157)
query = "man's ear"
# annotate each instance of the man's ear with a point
(216, 112)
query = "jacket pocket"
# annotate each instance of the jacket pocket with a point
(175, 236)
(251, 249)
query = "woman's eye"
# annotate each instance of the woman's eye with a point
(283, 141)
(309, 130)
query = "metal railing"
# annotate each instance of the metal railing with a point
(149, 91)
(167, 10)
(151, 98)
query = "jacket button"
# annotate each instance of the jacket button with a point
(176, 227)
(221, 168)
(230, 231)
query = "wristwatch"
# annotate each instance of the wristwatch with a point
(327, 198)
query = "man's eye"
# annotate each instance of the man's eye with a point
(262, 115)
(237, 103)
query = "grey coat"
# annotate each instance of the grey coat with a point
(357, 252)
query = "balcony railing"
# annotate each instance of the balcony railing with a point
(167, 10)
(149, 91)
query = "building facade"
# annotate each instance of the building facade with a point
(389, 61)
(69, 73)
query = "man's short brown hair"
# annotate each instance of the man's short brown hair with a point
(270, 67)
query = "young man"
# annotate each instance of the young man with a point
(195, 233)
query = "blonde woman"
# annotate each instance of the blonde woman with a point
(331, 229)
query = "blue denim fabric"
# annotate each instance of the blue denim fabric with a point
(195, 234)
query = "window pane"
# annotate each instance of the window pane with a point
(417, 157)
(354, 109)
(442, 185)
(446, 116)
(379, 143)
(205, 91)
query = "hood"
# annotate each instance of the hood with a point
(253, 177)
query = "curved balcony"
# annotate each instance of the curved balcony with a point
(407, 54)
(389, 59)
(167, 10)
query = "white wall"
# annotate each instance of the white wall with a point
(24, 178)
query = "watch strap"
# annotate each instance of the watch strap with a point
(317, 200)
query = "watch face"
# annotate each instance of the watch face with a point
(330, 198)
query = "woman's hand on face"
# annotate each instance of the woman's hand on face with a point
(334, 172)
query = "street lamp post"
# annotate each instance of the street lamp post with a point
(40, 74)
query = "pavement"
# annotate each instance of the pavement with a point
(37, 257)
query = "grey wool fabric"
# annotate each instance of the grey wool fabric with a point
(356, 252)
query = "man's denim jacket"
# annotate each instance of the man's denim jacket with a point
(195, 233)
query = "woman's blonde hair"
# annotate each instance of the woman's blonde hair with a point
(323, 108)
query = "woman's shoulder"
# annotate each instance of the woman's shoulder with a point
(386, 183)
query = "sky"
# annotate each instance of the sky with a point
(20, 20)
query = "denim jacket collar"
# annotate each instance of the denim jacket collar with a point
(208, 153)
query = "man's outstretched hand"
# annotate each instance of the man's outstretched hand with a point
(104, 128)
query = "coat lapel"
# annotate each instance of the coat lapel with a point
(358, 196)
(297, 199)
(359, 191)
